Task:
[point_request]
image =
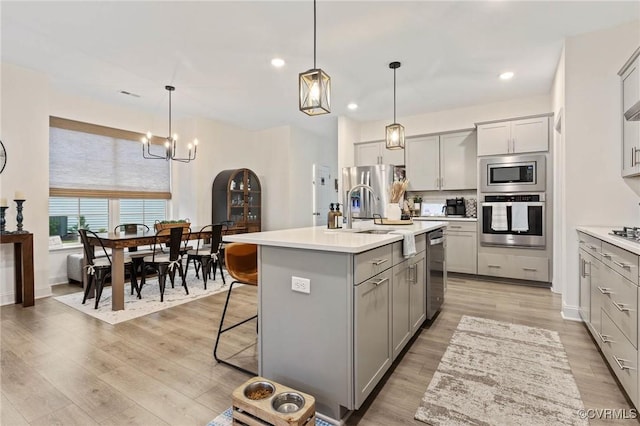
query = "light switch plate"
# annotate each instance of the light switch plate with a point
(302, 285)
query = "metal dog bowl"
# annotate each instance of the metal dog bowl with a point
(287, 402)
(259, 390)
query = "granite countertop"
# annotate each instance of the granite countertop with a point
(602, 233)
(336, 240)
(447, 218)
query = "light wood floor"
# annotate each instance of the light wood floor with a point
(62, 367)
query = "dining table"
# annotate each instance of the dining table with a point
(118, 241)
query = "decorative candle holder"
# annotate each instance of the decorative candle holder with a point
(3, 221)
(19, 217)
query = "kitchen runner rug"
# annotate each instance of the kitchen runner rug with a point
(226, 419)
(150, 301)
(498, 373)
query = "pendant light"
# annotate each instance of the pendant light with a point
(395, 131)
(314, 85)
(169, 144)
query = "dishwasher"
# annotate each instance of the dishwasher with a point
(436, 272)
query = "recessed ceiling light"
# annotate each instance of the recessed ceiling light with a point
(277, 62)
(506, 75)
(352, 106)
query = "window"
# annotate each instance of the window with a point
(99, 179)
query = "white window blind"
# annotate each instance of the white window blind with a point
(87, 160)
(142, 211)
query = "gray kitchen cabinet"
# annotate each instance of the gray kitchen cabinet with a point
(529, 134)
(370, 153)
(462, 247)
(417, 292)
(630, 80)
(400, 296)
(372, 334)
(520, 267)
(610, 308)
(445, 161)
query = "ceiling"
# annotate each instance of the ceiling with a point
(218, 53)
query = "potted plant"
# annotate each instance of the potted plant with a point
(159, 225)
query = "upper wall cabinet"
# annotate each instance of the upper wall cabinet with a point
(442, 162)
(630, 80)
(514, 136)
(370, 153)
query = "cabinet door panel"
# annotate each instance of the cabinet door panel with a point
(458, 161)
(391, 156)
(584, 264)
(494, 138)
(422, 160)
(418, 293)
(400, 326)
(530, 135)
(367, 154)
(461, 252)
(630, 129)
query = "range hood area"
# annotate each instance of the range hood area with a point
(633, 113)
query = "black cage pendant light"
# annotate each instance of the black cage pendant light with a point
(314, 85)
(395, 131)
(169, 143)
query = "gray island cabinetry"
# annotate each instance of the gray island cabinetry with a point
(336, 335)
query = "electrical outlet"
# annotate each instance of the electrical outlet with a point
(302, 285)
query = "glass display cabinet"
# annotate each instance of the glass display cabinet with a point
(237, 197)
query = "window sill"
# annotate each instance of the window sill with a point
(70, 246)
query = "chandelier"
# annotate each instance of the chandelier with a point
(395, 131)
(169, 144)
(314, 85)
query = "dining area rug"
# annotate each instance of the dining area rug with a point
(499, 373)
(150, 301)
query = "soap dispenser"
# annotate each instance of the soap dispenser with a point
(331, 218)
(338, 214)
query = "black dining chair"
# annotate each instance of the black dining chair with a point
(99, 269)
(165, 263)
(207, 256)
(137, 256)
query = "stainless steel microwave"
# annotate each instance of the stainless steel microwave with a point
(514, 173)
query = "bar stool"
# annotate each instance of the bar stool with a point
(241, 261)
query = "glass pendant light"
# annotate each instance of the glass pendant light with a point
(394, 132)
(314, 85)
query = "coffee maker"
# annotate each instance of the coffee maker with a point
(455, 207)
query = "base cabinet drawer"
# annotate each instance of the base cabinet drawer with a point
(372, 262)
(620, 302)
(461, 252)
(623, 262)
(512, 266)
(621, 356)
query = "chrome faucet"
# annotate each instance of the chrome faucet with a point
(359, 186)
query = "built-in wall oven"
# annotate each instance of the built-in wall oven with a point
(513, 220)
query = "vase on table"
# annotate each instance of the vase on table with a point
(393, 211)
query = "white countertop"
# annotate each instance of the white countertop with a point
(602, 232)
(337, 240)
(447, 218)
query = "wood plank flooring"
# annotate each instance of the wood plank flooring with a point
(62, 367)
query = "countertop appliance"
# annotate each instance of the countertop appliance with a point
(364, 205)
(455, 207)
(630, 233)
(436, 272)
(513, 173)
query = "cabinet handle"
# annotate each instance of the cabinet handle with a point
(530, 269)
(604, 338)
(592, 247)
(455, 226)
(379, 261)
(633, 156)
(441, 183)
(603, 254)
(622, 265)
(604, 290)
(494, 266)
(620, 362)
(380, 281)
(620, 306)
(582, 268)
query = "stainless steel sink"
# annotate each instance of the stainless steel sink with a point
(374, 231)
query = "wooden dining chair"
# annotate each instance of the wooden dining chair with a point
(137, 256)
(166, 263)
(207, 256)
(99, 269)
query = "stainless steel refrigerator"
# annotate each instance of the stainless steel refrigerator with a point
(380, 177)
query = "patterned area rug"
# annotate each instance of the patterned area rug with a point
(497, 373)
(226, 419)
(150, 301)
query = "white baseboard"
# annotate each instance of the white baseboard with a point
(571, 313)
(10, 299)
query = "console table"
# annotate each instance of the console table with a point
(23, 265)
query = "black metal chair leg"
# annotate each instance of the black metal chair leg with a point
(99, 287)
(88, 289)
(183, 275)
(221, 273)
(223, 330)
(206, 269)
(162, 276)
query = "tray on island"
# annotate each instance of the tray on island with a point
(385, 221)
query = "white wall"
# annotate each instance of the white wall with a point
(595, 193)
(25, 134)
(348, 134)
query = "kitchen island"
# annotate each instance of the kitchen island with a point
(336, 307)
